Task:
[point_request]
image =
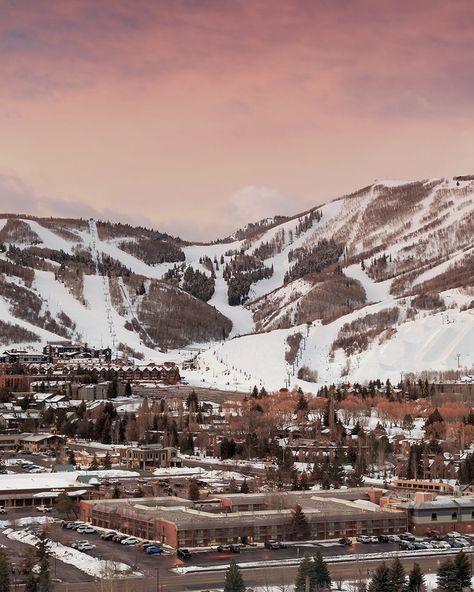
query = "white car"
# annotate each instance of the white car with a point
(130, 541)
(363, 539)
(85, 547)
(393, 538)
(454, 535)
(86, 530)
(426, 545)
(440, 545)
(44, 509)
(463, 542)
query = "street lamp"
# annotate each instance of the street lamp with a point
(157, 579)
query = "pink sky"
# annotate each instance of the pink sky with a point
(198, 116)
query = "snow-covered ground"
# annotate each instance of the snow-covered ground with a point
(90, 565)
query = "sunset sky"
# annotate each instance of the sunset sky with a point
(197, 116)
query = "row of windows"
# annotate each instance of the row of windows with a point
(454, 516)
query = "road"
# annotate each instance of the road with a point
(353, 571)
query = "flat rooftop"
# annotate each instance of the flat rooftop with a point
(183, 513)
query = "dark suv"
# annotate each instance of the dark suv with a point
(272, 544)
(183, 553)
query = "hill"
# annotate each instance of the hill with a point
(373, 284)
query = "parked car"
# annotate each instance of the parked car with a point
(407, 536)
(345, 541)
(234, 548)
(363, 539)
(455, 544)
(85, 547)
(426, 545)
(383, 538)
(107, 536)
(44, 509)
(129, 541)
(453, 535)
(2, 510)
(463, 542)
(154, 550)
(76, 544)
(223, 548)
(407, 545)
(418, 545)
(440, 545)
(143, 544)
(118, 538)
(433, 534)
(374, 539)
(86, 530)
(272, 544)
(183, 553)
(393, 538)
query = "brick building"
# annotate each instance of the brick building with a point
(243, 518)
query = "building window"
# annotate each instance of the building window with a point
(434, 517)
(454, 516)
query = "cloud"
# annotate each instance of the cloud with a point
(17, 197)
(252, 203)
(249, 204)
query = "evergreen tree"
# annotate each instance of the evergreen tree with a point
(42, 549)
(398, 576)
(447, 577)
(128, 390)
(193, 490)
(302, 404)
(320, 573)
(233, 486)
(381, 580)
(44, 578)
(4, 573)
(94, 464)
(116, 493)
(192, 402)
(355, 478)
(299, 523)
(107, 462)
(463, 570)
(244, 488)
(233, 579)
(31, 584)
(303, 580)
(416, 580)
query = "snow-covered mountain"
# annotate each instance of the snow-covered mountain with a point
(373, 284)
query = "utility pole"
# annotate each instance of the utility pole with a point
(157, 579)
(458, 357)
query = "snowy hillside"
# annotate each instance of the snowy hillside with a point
(370, 285)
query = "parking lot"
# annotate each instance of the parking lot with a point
(145, 564)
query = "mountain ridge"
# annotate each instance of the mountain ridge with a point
(333, 274)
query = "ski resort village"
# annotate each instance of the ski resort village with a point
(287, 409)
